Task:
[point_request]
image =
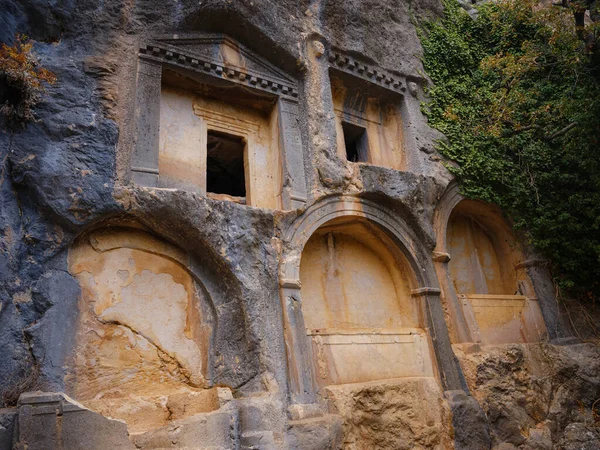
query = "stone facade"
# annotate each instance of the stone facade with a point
(230, 229)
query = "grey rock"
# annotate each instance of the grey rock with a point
(323, 433)
(506, 446)
(210, 431)
(8, 418)
(470, 425)
(580, 436)
(52, 336)
(539, 439)
(546, 389)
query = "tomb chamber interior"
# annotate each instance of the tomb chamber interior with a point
(220, 141)
(368, 123)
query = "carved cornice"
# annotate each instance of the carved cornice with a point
(173, 55)
(365, 71)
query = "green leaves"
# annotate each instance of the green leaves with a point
(518, 97)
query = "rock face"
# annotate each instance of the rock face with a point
(405, 413)
(228, 228)
(537, 396)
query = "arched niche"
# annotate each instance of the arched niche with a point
(489, 295)
(146, 325)
(393, 246)
(360, 316)
(484, 255)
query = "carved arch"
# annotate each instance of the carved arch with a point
(300, 374)
(160, 272)
(515, 316)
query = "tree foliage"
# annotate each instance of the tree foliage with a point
(517, 93)
(21, 81)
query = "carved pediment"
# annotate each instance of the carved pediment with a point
(356, 67)
(220, 56)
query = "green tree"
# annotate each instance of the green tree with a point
(517, 93)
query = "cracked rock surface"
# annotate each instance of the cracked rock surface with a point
(204, 353)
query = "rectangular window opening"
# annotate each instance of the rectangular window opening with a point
(355, 139)
(225, 172)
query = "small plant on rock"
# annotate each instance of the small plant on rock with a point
(21, 81)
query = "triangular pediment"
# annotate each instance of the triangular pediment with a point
(220, 56)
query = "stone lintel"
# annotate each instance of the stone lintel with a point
(342, 62)
(172, 55)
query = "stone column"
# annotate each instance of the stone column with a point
(322, 143)
(459, 328)
(468, 419)
(299, 353)
(144, 161)
(448, 366)
(556, 323)
(294, 179)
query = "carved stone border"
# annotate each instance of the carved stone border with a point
(348, 64)
(174, 56)
(302, 384)
(161, 51)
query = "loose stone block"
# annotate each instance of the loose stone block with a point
(53, 420)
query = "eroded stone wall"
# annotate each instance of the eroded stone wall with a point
(535, 395)
(199, 320)
(395, 414)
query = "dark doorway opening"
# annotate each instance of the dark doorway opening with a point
(225, 172)
(355, 139)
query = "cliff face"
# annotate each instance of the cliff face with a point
(319, 308)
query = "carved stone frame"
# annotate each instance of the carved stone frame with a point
(302, 383)
(177, 52)
(535, 269)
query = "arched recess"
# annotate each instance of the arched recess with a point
(483, 275)
(360, 225)
(360, 317)
(145, 338)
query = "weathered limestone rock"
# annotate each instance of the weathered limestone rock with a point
(320, 433)
(405, 413)
(536, 395)
(8, 419)
(211, 431)
(468, 415)
(140, 316)
(51, 420)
